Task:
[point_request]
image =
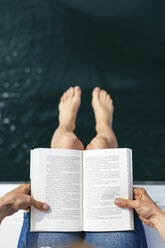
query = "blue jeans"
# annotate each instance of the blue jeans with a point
(127, 239)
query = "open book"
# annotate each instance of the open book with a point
(80, 187)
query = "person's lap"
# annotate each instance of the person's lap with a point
(66, 139)
(125, 239)
(44, 239)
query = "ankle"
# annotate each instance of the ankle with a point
(103, 127)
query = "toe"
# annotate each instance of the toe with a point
(77, 91)
(108, 98)
(67, 93)
(71, 91)
(62, 99)
(103, 94)
(64, 96)
(96, 92)
(110, 103)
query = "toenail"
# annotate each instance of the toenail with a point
(97, 88)
(77, 88)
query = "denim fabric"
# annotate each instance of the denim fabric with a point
(127, 239)
(45, 239)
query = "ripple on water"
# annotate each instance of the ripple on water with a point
(27, 70)
(5, 94)
(6, 85)
(39, 70)
(16, 85)
(2, 104)
(24, 146)
(12, 72)
(17, 95)
(15, 53)
(12, 94)
(1, 141)
(12, 127)
(7, 58)
(13, 145)
(6, 121)
(28, 81)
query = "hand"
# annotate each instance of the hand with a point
(145, 207)
(17, 199)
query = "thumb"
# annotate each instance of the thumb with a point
(39, 205)
(124, 203)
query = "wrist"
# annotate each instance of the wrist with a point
(158, 222)
(158, 215)
(5, 206)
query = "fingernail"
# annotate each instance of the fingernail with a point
(77, 88)
(45, 206)
(118, 201)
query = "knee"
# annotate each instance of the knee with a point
(70, 141)
(99, 143)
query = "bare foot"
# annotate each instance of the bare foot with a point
(103, 108)
(68, 108)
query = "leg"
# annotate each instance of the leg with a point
(103, 110)
(66, 139)
(63, 136)
(135, 239)
(29, 239)
(105, 138)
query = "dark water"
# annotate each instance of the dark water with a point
(47, 46)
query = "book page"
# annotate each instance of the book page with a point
(107, 174)
(56, 178)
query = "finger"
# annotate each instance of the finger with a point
(142, 219)
(39, 205)
(27, 188)
(23, 188)
(141, 193)
(124, 203)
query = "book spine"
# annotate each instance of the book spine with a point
(31, 163)
(130, 185)
(82, 191)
